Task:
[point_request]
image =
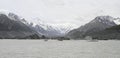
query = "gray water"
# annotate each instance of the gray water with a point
(59, 49)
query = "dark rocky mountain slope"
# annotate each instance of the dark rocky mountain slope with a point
(98, 24)
(12, 27)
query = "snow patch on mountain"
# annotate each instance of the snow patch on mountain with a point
(6, 12)
(117, 21)
(64, 28)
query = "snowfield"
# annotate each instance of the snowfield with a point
(59, 49)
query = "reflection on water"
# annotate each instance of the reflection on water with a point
(59, 49)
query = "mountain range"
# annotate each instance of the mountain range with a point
(14, 26)
(35, 27)
(49, 30)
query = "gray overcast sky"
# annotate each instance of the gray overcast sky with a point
(76, 12)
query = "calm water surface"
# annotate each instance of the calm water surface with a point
(59, 49)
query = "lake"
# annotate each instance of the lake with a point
(59, 49)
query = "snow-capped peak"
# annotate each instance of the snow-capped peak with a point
(6, 12)
(104, 19)
(13, 16)
(39, 22)
(51, 29)
(108, 20)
